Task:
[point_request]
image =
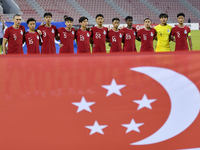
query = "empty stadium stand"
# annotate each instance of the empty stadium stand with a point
(135, 8)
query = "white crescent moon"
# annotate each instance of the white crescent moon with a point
(185, 103)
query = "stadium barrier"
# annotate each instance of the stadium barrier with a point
(114, 101)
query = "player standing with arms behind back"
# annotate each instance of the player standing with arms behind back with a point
(182, 33)
(49, 33)
(67, 36)
(147, 36)
(115, 36)
(130, 34)
(163, 31)
(32, 38)
(14, 35)
(99, 34)
(83, 36)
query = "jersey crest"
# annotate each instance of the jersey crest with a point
(88, 35)
(151, 33)
(134, 33)
(21, 32)
(104, 32)
(73, 32)
(120, 35)
(37, 37)
(168, 30)
(52, 31)
(185, 32)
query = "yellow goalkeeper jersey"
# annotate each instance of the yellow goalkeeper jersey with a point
(163, 35)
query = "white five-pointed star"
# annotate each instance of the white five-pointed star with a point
(132, 126)
(83, 105)
(145, 102)
(96, 128)
(113, 88)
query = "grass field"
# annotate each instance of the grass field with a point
(195, 41)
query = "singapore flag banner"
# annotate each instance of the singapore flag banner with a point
(120, 101)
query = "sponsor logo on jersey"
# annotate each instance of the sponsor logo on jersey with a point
(168, 30)
(185, 32)
(88, 35)
(21, 32)
(120, 35)
(104, 32)
(52, 31)
(151, 33)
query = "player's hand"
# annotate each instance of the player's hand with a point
(60, 45)
(42, 24)
(39, 32)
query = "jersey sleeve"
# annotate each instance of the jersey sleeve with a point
(155, 33)
(173, 32)
(56, 31)
(7, 34)
(139, 34)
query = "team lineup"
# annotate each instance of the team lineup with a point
(97, 36)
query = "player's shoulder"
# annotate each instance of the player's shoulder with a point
(158, 26)
(61, 28)
(186, 27)
(168, 26)
(53, 26)
(22, 27)
(121, 31)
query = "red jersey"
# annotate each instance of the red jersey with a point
(32, 42)
(67, 39)
(83, 40)
(99, 39)
(147, 37)
(15, 37)
(48, 39)
(129, 39)
(115, 38)
(181, 34)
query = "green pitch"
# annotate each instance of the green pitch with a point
(195, 41)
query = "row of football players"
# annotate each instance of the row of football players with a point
(46, 34)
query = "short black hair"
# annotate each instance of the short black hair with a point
(30, 19)
(115, 19)
(147, 19)
(163, 15)
(65, 16)
(99, 15)
(128, 17)
(16, 15)
(181, 14)
(82, 19)
(69, 19)
(47, 14)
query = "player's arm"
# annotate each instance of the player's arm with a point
(190, 41)
(4, 45)
(3, 22)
